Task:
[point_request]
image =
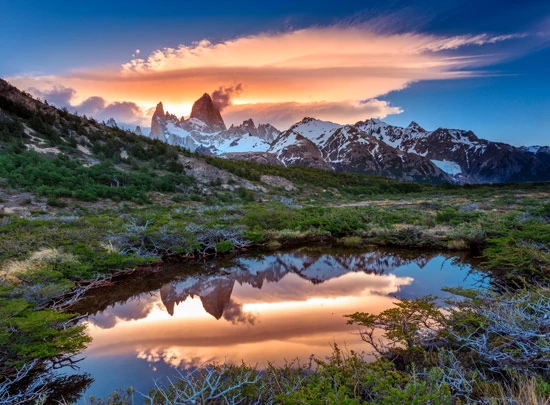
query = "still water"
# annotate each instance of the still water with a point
(260, 308)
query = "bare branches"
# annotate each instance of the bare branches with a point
(140, 240)
(509, 331)
(210, 238)
(143, 239)
(217, 384)
(31, 392)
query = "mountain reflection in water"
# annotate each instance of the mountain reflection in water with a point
(272, 307)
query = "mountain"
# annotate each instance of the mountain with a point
(461, 154)
(346, 148)
(536, 149)
(205, 132)
(138, 131)
(204, 110)
(112, 123)
(371, 147)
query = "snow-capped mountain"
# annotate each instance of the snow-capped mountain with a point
(536, 149)
(461, 154)
(205, 131)
(347, 148)
(371, 146)
(215, 290)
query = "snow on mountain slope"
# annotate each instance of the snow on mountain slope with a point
(451, 168)
(246, 143)
(210, 137)
(371, 146)
(347, 148)
(316, 131)
(536, 149)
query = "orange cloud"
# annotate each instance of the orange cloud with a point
(283, 115)
(319, 67)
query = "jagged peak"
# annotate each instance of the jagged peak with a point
(111, 123)
(205, 110)
(414, 126)
(159, 111)
(372, 121)
(305, 120)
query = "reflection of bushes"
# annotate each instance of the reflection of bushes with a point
(345, 378)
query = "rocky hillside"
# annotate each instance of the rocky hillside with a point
(48, 156)
(461, 154)
(349, 149)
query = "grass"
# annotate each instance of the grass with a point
(80, 221)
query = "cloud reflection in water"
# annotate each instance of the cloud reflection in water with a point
(259, 309)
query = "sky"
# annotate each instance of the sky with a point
(477, 65)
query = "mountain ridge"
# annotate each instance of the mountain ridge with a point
(372, 146)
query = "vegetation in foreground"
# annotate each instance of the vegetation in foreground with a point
(510, 233)
(126, 200)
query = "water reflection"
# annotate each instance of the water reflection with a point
(257, 309)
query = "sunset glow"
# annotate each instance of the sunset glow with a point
(362, 62)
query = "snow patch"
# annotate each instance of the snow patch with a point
(316, 131)
(451, 168)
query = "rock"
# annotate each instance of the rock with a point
(277, 181)
(111, 123)
(157, 123)
(204, 110)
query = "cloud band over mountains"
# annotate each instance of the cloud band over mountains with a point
(277, 77)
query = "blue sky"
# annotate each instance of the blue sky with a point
(501, 93)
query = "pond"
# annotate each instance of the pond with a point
(275, 307)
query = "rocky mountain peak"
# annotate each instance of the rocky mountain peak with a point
(414, 126)
(159, 111)
(111, 123)
(204, 110)
(305, 120)
(249, 123)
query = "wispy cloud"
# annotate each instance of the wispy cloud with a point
(223, 97)
(125, 112)
(282, 115)
(317, 71)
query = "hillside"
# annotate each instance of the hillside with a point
(57, 156)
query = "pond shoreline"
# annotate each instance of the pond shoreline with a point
(167, 265)
(245, 305)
